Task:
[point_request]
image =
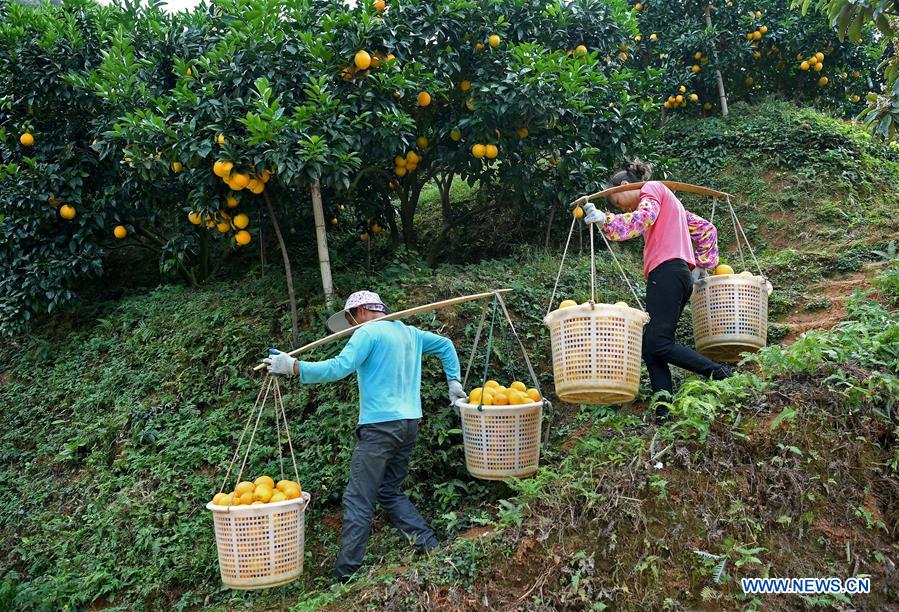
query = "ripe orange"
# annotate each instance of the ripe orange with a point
(120, 231)
(455, 135)
(421, 142)
(491, 151)
(518, 386)
(67, 212)
(247, 499)
(695, 68)
(522, 132)
(478, 151)
(220, 139)
(763, 29)
(694, 97)
(380, 5)
(278, 496)
(578, 212)
(749, 81)
(26, 139)
(231, 201)
(424, 98)
(818, 67)
(176, 167)
(240, 180)
(243, 237)
(804, 66)
(334, 221)
(376, 229)
(475, 396)
(362, 60)
(465, 85)
(500, 399)
(679, 99)
(469, 104)
(823, 81)
(707, 106)
(494, 40)
(491, 383)
(412, 158)
(241, 221)
(819, 56)
(400, 170)
(222, 227)
(194, 217)
(363, 237)
(533, 394)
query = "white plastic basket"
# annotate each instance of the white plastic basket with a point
(260, 546)
(596, 352)
(730, 315)
(501, 442)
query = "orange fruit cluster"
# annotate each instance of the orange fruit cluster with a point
(263, 490)
(494, 394)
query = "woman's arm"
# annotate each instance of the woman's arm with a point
(630, 225)
(705, 241)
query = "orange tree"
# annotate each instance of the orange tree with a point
(61, 203)
(489, 92)
(759, 47)
(851, 19)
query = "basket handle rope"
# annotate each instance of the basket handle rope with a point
(265, 388)
(620, 268)
(474, 347)
(293, 458)
(270, 383)
(552, 297)
(739, 225)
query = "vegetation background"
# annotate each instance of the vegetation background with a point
(126, 362)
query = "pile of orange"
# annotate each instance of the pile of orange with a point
(263, 490)
(494, 394)
(404, 165)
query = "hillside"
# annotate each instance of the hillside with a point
(121, 415)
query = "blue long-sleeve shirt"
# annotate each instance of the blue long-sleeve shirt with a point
(387, 357)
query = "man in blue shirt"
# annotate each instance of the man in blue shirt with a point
(386, 355)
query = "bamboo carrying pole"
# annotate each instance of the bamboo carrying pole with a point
(321, 240)
(672, 185)
(392, 317)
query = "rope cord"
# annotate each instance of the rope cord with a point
(293, 458)
(524, 352)
(733, 220)
(487, 357)
(592, 267)
(745, 239)
(264, 388)
(278, 434)
(474, 347)
(712, 217)
(549, 308)
(621, 270)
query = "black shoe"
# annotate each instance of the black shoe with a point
(721, 373)
(662, 415)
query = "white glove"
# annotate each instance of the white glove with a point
(279, 363)
(456, 392)
(591, 215)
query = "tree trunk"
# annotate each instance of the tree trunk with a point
(295, 328)
(321, 240)
(721, 93)
(549, 226)
(390, 215)
(443, 186)
(409, 202)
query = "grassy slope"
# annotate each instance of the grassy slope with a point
(120, 418)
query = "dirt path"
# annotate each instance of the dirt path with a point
(834, 292)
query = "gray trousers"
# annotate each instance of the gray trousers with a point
(379, 466)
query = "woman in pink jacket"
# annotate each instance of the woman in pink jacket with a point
(675, 241)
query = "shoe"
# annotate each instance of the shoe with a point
(721, 373)
(662, 415)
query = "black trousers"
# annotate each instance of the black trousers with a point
(380, 465)
(668, 289)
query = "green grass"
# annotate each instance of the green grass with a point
(120, 416)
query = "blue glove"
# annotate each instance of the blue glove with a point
(456, 392)
(592, 215)
(279, 363)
